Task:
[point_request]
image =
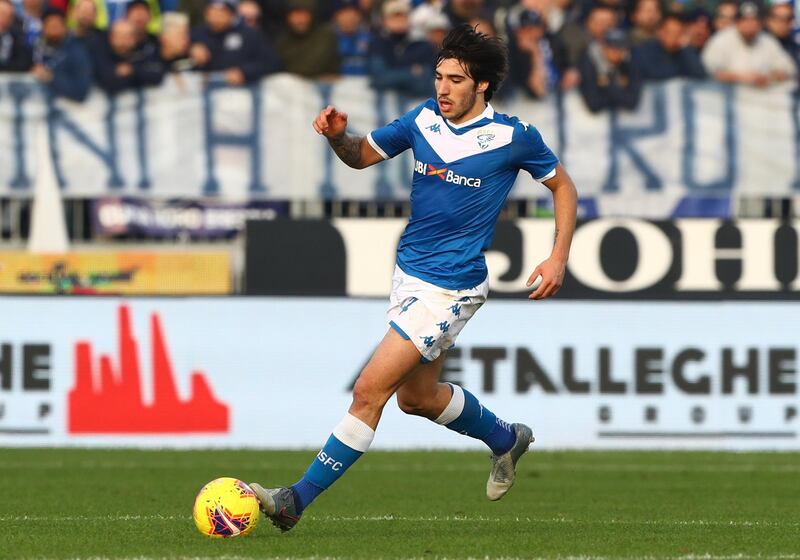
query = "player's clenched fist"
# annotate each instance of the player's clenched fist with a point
(330, 122)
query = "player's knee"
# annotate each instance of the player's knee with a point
(367, 395)
(411, 403)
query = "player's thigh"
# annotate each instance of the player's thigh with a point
(422, 383)
(393, 361)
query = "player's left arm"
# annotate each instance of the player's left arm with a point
(565, 203)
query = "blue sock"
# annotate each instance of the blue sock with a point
(467, 416)
(350, 439)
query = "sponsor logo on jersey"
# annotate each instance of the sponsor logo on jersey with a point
(436, 128)
(446, 175)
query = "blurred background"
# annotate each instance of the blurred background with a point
(177, 244)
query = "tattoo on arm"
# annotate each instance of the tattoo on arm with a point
(555, 237)
(348, 148)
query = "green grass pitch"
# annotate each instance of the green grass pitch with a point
(72, 503)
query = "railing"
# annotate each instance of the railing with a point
(190, 140)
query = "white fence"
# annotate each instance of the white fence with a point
(185, 140)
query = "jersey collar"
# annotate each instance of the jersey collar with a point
(488, 113)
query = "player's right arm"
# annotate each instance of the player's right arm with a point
(355, 151)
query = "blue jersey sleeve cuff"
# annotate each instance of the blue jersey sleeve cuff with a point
(548, 176)
(375, 146)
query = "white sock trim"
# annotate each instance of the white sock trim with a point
(354, 433)
(454, 408)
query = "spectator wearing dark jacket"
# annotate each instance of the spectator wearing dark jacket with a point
(61, 62)
(224, 45)
(780, 24)
(15, 53)
(396, 62)
(668, 55)
(576, 36)
(608, 79)
(354, 37)
(533, 55)
(120, 66)
(307, 46)
(138, 13)
(84, 24)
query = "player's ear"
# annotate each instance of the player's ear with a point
(482, 87)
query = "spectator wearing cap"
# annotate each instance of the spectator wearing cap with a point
(745, 54)
(307, 46)
(61, 62)
(422, 14)
(353, 36)
(532, 60)
(698, 28)
(119, 65)
(669, 55)
(646, 18)
(437, 27)
(574, 39)
(396, 61)
(780, 24)
(608, 79)
(223, 44)
(15, 53)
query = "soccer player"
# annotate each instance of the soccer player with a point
(467, 158)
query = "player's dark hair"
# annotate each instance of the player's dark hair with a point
(484, 58)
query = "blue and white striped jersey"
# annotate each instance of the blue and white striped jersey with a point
(462, 176)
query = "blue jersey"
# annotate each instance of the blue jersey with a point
(462, 176)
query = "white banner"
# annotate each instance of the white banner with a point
(275, 373)
(686, 139)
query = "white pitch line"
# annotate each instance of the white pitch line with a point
(422, 467)
(740, 556)
(430, 519)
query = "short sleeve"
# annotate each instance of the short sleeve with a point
(532, 154)
(394, 138)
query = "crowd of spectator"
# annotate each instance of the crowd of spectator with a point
(606, 49)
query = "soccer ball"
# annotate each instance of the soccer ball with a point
(225, 507)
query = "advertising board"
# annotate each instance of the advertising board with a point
(117, 273)
(276, 373)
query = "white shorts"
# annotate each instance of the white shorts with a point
(429, 316)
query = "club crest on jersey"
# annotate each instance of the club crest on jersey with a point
(484, 139)
(436, 128)
(446, 175)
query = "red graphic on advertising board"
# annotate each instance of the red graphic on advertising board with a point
(114, 405)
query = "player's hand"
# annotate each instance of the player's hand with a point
(330, 122)
(552, 272)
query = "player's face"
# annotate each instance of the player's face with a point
(456, 92)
